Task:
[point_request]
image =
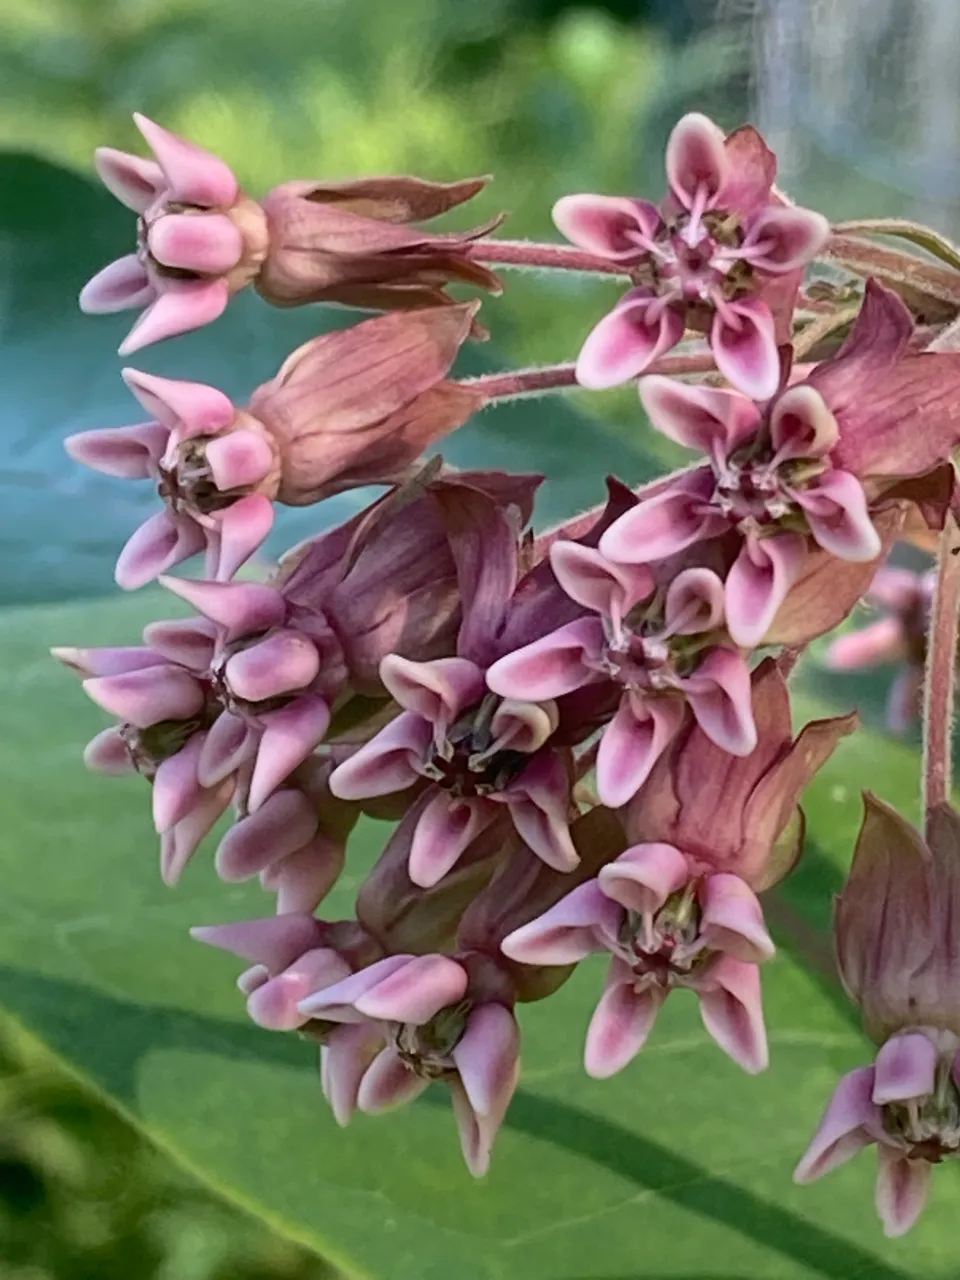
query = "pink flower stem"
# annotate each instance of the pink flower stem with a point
(542, 257)
(561, 377)
(941, 672)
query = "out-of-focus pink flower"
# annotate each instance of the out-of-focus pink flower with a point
(438, 1018)
(199, 238)
(897, 953)
(723, 254)
(817, 461)
(349, 408)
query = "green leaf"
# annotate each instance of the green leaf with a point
(62, 526)
(678, 1167)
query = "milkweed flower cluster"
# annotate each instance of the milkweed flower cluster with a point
(584, 735)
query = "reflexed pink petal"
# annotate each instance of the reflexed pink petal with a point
(283, 662)
(595, 582)
(614, 227)
(230, 742)
(446, 827)
(478, 1132)
(697, 164)
(273, 941)
(108, 660)
(252, 979)
(108, 753)
(302, 880)
(175, 787)
(644, 877)
(744, 346)
(906, 1067)
(238, 459)
(632, 743)
(621, 1022)
(194, 176)
(801, 425)
(721, 700)
(274, 1004)
(134, 181)
(694, 603)
(783, 238)
(147, 696)
(636, 332)
(128, 452)
(758, 583)
(188, 643)
(179, 843)
(711, 420)
(902, 1189)
(438, 691)
(121, 286)
(844, 1127)
(579, 924)
(732, 1011)
(241, 529)
(835, 506)
(487, 1057)
(279, 827)
(190, 408)
(559, 663)
(207, 243)
(290, 735)
(417, 992)
(539, 804)
(388, 1082)
(875, 645)
(658, 527)
(732, 919)
(519, 725)
(388, 762)
(344, 1059)
(241, 608)
(184, 305)
(338, 1002)
(159, 544)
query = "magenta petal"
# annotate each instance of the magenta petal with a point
(902, 1189)
(160, 543)
(744, 346)
(906, 1067)
(844, 1128)
(639, 330)
(128, 452)
(477, 1132)
(563, 661)
(721, 700)
(388, 1082)
(758, 583)
(108, 753)
(185, 305)
(710, 419)
(879, 643)
(438, 691)
(337, 1003)
(290, 735)
(417, 992)
(241, 608)
(273, 941)
(644, 877)
(613, 227)
(175, 786)
(539, 804)
(302, 880)
(732, 1011)
(279, 664)
(147, 696)
(694, 603)
(387, 763)
(191, 408)
(595, 582)
(658, 527)
(621, 1022)
(801, 425)
(238, 460)
(280, 826)
(180, 842)
(134, 181)
(835, 506)
(109, 660)
(194, 176)
(121, 286)
(189, 642)
(207, 243)
(632, 743)
(241, 529)
(732, 919)
(488, 1060)
(784, 238)
(446, 827)
(572, 929)
(274, 1004)
(344, 1059)
(697, 164)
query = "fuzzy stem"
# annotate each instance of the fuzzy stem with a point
(941, 673)
(561, 377)
(542, 257)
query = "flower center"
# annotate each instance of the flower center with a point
(753, 487)
(188, 485)
(469, 762)
(664, 947)
(644, 653)
(427, 1048)
(694, 259)
(148, 748)
(928, 1128)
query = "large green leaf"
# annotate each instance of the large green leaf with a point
(61, 526)
(679, 1167)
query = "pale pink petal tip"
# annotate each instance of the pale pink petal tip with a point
(842, 1131)
(194, 175)
(636, 332)
(621, 1023)
(732, 1012)
(745, 348)
(901, 1192)
(134, 181)
(697, 165)
(161, 543)
(185, 305)
(121, 286)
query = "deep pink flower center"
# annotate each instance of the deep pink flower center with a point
(752, 486)
(696, 261)
(467, 763)
(664, 948)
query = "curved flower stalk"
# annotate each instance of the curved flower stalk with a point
(347, 409)
(896, 948)
(199, 238)
(817, 462)
(723, 254)
(678, 908)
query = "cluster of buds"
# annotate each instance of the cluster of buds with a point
(584, 735)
